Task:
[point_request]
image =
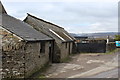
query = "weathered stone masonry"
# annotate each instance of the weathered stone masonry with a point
(24, 50)
(12, 55)
(63, 45)
(21, 59)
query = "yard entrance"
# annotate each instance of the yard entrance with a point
(78, 64)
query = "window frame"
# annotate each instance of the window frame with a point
(42, 47)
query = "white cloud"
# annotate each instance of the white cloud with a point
(77, 17)
(60, 0)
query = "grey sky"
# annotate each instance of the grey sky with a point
(75, 16)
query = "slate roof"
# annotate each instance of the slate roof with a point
(44, 21)
(2, 9)
(63, 36)
(61, 33)
(21, 29)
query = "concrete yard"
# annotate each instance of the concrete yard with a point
(79, 64)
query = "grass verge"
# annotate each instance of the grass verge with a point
(39, 73)
(113, 51)
(66, 60)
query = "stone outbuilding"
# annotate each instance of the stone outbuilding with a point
(64, 43)
(24, 50)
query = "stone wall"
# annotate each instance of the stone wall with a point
(25, 61)
(66, 50)
(34, 60)
(71, 47)
(60, 50)
(13, 64)
(12, 55)
(21, 59)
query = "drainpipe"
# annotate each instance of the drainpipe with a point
(107, 39)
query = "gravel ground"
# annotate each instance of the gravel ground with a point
(79, 63)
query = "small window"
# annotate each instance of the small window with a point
(42, 47)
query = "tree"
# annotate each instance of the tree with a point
(117, 37)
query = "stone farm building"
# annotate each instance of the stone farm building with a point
(24, 50)
(64, 43)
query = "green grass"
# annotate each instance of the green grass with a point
(42, 76)
(39, 73)
(43, 69)
(66, 60)
(110, 52)
(113, 51)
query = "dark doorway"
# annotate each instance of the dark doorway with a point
(69, 48)
(51, 51)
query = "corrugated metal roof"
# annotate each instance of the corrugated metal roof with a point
(21, 29)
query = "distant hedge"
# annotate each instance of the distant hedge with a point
(117, 37)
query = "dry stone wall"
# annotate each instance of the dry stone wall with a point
(12, 55)
(21, 59)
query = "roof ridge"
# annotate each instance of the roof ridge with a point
(2, 8)
(44, 20)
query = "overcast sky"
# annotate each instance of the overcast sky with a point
(76, 16)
